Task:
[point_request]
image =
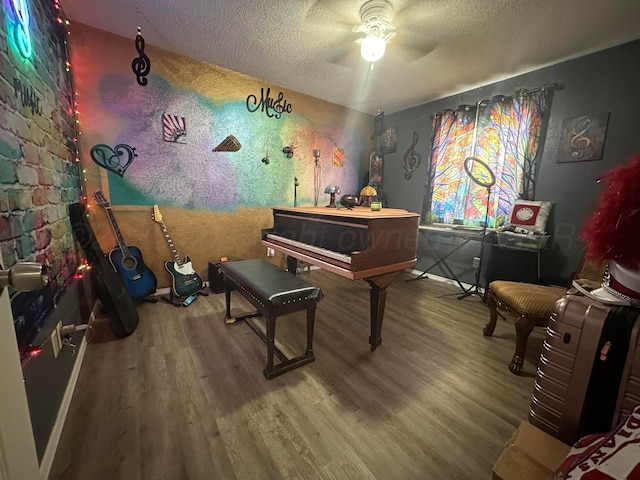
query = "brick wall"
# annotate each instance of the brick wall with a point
(39, 176)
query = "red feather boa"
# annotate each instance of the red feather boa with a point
(613, 231)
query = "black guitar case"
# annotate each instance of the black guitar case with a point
(116, 302)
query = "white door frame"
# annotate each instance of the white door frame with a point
(18, 457)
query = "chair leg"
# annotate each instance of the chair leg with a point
(524, 326)
(271, 335)
(493, 315)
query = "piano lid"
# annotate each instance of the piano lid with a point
(356, 212)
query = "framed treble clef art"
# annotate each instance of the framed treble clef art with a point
(582, 138)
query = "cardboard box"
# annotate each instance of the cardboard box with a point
(530, 454)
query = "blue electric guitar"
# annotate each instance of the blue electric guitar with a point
(139, 281)
(186, 281)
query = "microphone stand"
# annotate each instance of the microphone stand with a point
(316, 178)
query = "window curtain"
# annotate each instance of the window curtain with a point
(507, 139)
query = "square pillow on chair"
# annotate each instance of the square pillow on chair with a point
(530, 215)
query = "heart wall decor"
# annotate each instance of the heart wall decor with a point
(116, 160)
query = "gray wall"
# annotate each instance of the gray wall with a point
(605, 81)
(45, 376)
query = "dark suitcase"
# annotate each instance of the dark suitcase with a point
(588, 374)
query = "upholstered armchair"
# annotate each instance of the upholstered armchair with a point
(531, 305)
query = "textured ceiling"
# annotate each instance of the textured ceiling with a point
(442, 47)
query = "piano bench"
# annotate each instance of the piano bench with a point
(273, 292)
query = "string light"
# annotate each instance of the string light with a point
(73, 110)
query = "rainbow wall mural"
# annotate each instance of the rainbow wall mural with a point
(214, 203)
(201, 110)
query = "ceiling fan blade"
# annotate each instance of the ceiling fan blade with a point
(345, 55)
(409, 53)
(412, 47)
(333, 13)
(417, 11)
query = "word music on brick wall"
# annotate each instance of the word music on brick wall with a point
(27, 96)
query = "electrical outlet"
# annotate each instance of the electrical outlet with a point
(270, 252)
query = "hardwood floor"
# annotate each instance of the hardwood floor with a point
(184, 396)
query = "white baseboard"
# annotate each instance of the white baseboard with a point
(56, 432)
(162, 291)
(438, 278)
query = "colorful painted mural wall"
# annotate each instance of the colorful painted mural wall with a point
(205, 144)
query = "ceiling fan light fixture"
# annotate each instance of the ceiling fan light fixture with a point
(373, 47)
(376, 24)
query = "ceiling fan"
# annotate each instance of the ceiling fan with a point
(392, 26)
(375, 16)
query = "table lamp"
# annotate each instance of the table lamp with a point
(367, 194)
(332, 190)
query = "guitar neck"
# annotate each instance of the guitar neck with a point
(176, 257)
(116, 230)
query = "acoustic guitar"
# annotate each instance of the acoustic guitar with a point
(127, 261)
(185, 281)
(114, 298)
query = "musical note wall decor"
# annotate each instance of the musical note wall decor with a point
(229, 144)
(271, 107)
(582, 138)
(116, 160)
(338, 157)
(289, 150)
(411, 158)
(141, 65)
(174, 128)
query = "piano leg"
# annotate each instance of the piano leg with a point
(378, 298)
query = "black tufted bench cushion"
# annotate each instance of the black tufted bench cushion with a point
(273, 292)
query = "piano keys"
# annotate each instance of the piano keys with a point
(357, 244)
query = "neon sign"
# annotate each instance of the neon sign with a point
(20, 27)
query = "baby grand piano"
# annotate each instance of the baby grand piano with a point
(360, 243)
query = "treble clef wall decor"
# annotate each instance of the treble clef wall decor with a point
(141, 65)
(116, 159)
(411, 158)
(579, 141)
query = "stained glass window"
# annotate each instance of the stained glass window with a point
(506, 139)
